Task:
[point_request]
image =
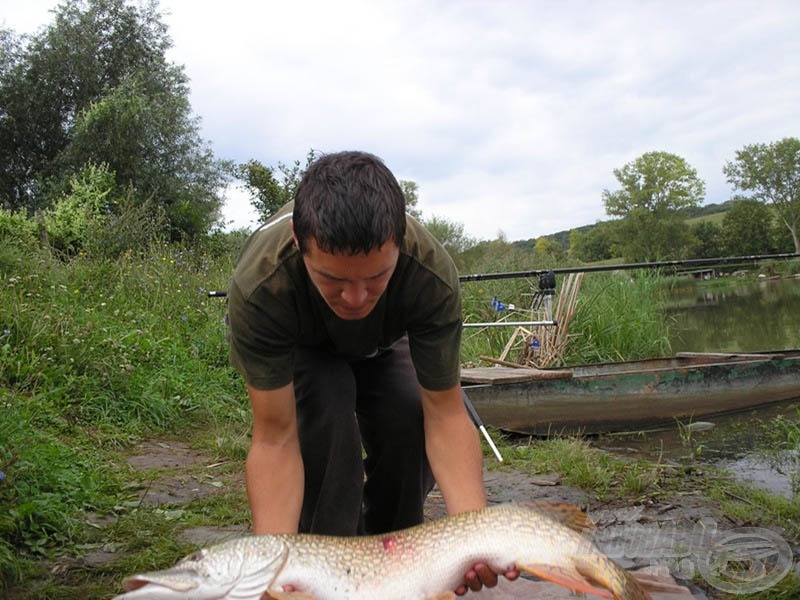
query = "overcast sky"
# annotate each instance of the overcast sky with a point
(510, 115)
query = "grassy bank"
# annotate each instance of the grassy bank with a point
(95, 355)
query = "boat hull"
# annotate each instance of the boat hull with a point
(636, 395)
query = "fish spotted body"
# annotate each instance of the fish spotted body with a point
(425, 562)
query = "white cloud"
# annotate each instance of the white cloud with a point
(509, 115)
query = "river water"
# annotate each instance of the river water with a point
(735, 315)
(732, 315)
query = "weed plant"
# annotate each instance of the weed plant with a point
(783, 435)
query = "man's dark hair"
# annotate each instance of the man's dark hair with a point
(349, 202)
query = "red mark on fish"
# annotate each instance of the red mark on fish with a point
(389, 543)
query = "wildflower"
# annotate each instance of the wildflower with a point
(2, 476)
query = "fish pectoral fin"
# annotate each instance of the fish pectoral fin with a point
(281, 595)
(256, 582)
(568, 578)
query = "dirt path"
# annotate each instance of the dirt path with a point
(667, 539)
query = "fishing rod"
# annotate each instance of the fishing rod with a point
(689, 262)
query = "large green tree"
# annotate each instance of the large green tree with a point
(95, 87)
(451, 235)
(771, 173)
(654, 188)
(747, 228)
(706, 240)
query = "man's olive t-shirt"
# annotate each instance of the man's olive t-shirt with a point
(273, 306)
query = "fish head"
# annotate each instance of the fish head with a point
(241, 569)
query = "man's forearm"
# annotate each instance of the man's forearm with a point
(275, 487)
(454, 451)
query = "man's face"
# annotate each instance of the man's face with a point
(351, 284)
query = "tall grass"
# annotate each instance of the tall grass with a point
(619, 316)
(94, 355)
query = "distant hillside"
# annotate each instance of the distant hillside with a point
(712, 212)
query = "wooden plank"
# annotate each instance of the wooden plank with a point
(499, 374)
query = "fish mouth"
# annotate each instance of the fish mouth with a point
(131, 584)
(134, 583)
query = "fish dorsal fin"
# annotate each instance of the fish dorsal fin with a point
(567, 514)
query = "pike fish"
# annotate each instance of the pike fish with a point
(425, 562)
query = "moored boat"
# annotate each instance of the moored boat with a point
(630, 395)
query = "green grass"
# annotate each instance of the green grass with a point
(604, 476)
(715, 218)
(95, 355)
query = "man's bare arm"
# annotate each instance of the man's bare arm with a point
(454, 450)
(274, 466)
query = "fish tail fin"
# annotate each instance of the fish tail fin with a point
(620, 582)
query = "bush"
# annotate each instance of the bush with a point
(86, 206)
(133, 226)
(16, 228)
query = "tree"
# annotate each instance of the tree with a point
(267, 193)
(411, 194)
(548, 249)
(451, 235)
(747, 228)
(95, 87)
(593, 244)
(706, 240)
(655, 187)
(771, 172)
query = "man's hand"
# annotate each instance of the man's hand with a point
(481, 576)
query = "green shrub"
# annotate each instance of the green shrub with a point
(87, 205)
(16, 228)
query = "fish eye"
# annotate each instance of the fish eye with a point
(194, 556)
